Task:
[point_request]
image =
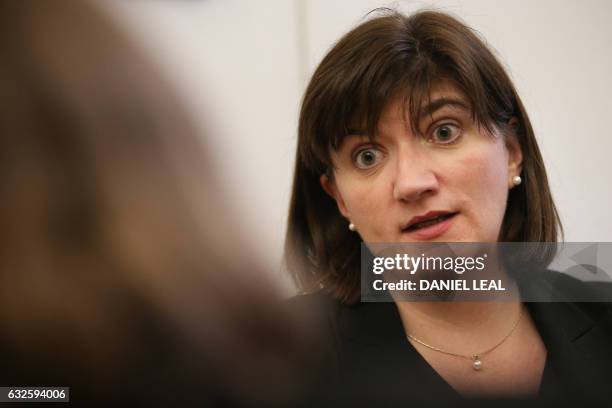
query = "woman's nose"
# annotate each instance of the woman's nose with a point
(414, 178)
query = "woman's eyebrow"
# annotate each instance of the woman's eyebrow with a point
(440, 103)
(352, 134)
(429, 109)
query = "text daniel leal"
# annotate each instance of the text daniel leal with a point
(440, 284)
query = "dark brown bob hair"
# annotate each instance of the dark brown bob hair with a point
(387, 56)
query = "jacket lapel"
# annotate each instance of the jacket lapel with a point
(378, 360)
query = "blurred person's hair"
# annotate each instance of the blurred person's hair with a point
(393, 55)
(120, 272)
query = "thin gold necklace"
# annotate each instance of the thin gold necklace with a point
(475, 358)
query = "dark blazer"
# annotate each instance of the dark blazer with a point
(370, 362)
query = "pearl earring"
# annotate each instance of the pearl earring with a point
(516, 180)
(352, 226)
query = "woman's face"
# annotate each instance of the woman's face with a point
(449, 183)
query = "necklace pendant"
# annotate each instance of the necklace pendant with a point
(477, 364)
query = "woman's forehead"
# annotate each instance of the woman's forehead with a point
(443, 95)
(439, 97)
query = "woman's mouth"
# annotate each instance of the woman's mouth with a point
(430, 225)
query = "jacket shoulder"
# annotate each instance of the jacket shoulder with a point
(554, 286)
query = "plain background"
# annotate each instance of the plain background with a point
(243, 66)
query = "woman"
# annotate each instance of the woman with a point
(123, 277)
(411, 131)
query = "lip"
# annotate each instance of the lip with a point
(433, 231)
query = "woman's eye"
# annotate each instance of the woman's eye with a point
(445, 134)
(366, 158)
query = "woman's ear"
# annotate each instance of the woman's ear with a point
(515, 153)
(330, 188)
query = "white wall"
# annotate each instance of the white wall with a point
(244, 65)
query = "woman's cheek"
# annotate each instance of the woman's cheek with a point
(365, 210)
(361, 204)
(484, 180)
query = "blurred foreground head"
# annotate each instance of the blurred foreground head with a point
(119, 270)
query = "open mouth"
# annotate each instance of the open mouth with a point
(428, 222)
